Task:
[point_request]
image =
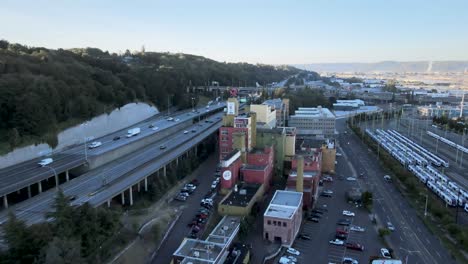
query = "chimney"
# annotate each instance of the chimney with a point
(300, 174)
(253, 127)
(239, 143)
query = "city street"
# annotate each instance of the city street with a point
(411, 238)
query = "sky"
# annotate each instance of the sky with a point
(271, 32)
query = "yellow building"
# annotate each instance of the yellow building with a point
(266, 115)
(328, 156)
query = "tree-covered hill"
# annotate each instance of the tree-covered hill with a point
(42, 89)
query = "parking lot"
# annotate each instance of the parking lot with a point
(318, 249)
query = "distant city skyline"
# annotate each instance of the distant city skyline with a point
(270, 32)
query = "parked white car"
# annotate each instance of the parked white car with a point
(357, 229)
(337, 242)
(390, 226)
(385, 253)
(348, 213)
(293, 251)
(291, 258)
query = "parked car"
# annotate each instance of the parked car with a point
(305, 236)
(328, 179)
(385, 253)
(328, 191)
(180, 198)
(357, 229)
(321, 209)
(337, 242)
(293, 251)
(316, 211)
(355, 246)
(186, 194)
(195, 182)
(387, 178)
(348, 213)
(344, 222)
(323, 194)
(313, 219)
(348, 260)
(390, 226)
(315, 215)
(291, 258)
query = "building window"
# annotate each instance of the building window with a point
(274, 223)
(279, 223)
(284, 224)
(269, 222)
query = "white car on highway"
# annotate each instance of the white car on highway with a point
(348, 213)
(293, 251)
(95, 144)
(357, 229)
(337, 242)
(351, 179)
(45, 162)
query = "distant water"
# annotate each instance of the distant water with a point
(97, 127)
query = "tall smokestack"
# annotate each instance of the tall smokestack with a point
(300, 174)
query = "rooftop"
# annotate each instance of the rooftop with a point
(287, 198)
(280, 211)
(307, 174)
(253, 167)
(313, 112)
(243, 196)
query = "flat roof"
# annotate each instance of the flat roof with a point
(307, 174)
(286, 198)
(280, 211)
(313, 112)
(253, 167)
(239, 198)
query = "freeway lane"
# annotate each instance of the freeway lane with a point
(26, 173)
(411, 234)
(119, 173)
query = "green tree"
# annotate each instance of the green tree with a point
(63, 251)
(366, 198)
(14, 138)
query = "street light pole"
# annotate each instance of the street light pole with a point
(425, 207)
(55, 175)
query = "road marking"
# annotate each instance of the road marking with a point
(401, 238)
(428, 241)
(438, 254)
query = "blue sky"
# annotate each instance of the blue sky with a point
(274, 32)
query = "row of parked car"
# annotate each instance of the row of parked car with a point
(200, 219)
(187, 190)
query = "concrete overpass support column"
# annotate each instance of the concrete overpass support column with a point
(122, 196)
(146, 184)
(29, 191)
(108, 203)
(196, 148)
(138, 187)
(67, 176)
(39, 186)
(177, 161)
(5, 201)
(131, 195)
(164, 170)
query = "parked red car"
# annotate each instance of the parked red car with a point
(355, 246)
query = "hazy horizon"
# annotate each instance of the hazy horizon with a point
(261, 32)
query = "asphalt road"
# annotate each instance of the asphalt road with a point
(96, 186)
(411, 238)
(205, 175)
(325, 230)
(26, 173)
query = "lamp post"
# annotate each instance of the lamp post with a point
(55, 175)
(193, 108)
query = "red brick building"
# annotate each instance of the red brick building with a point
(259, 167)
(311, 177)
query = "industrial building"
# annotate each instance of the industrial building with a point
(313, 122)
(266, 115)
(281, 106)
(304, 177)
(439, 110)
(347, 105)
(213, 250)
(282, 218)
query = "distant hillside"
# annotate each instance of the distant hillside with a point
(43, 90)
(389, 66)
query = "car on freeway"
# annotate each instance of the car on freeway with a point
(185, 132)
(293, 251)
(155, 128)
(337, 242)
(45, 162)
(194, 130)
(95, 144)
(348, 213)
(343, 222)
(385, 253)
(170, 119)
(348, 260)
(357, 229)
(116, 138)
(390, 226)
(351, 179)
(305, 237)
(162, 147)
(355, 246)
(177, 120)
(313, 219)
